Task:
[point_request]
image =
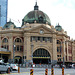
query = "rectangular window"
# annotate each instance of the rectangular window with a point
(59, 59)
(58, 49)
(39, 38)
(43, 38)
(70, 58)
(17, 47)
(20, 48)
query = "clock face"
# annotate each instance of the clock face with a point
(41, 31)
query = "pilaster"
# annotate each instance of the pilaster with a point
(64, 55)
(54, 56)
(11, 45)
(27, 49)
(67, 52)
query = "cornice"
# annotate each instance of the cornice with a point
(11, 31)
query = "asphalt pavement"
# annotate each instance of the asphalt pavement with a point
(41, 71)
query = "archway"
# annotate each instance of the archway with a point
(5, 58)
(41, 56)
(18, 59)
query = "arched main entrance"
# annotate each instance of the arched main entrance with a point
(41, 56)
(18, 59)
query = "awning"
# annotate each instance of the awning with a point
(4, 51)
(16, 57)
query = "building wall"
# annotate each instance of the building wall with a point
(3, 12)
(73, 52)
(67, 47)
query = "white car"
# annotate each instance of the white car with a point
(14, 66)
(3, 67)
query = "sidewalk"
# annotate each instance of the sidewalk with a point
(21, 73)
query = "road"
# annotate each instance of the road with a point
(41, 71)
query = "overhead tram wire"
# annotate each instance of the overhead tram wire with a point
(14, 20)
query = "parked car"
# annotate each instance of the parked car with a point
(9, 66)
(14, 66)
(3, 67)
(73, 65)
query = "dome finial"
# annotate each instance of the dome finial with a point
(36, 3)
(36, 6)
(10, 20)
(58, 24)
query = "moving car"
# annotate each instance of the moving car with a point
(14, 66)
(3, 67)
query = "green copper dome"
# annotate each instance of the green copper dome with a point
(58, 27)
(36, 15)
(8, 24)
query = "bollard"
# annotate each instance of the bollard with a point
(52, 71)
(9, 70)
(46, 72)
(18, 69)
(31, 71)
(62, 71)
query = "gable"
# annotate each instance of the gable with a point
(41, 29)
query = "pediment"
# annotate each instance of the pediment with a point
(41, 29)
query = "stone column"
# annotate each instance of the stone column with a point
(64, 49)
(27, 49)
(67, 52)
(54, 56)
(11, 45)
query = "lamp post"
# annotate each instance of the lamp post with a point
(32, 52)
(13, 52)
(63, 60)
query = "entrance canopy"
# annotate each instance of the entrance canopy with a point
(4, 51)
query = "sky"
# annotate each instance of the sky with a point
(59, 11)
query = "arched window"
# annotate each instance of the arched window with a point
(41, 53)
(18, 44)
(58, 42)
(18, 40)
(5, 40)
(5, 43)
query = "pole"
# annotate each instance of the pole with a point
(18, 69)
(32, 54)
(63, 60)
(13, 52)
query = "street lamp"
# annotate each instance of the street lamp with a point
(32, 52)
(13, 52)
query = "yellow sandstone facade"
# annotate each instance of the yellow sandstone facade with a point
(36, 40)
